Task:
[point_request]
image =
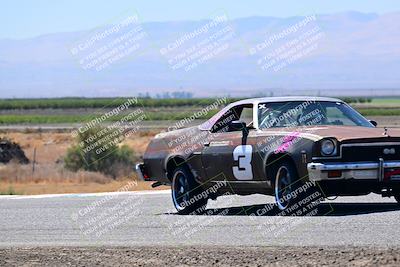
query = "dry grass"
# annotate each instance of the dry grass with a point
(50, 177)
(53, 179)
(51, 147)
(48, 173)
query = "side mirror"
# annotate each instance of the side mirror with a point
(373, 123)
(238, 125)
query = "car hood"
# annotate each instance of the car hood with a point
(344, 133)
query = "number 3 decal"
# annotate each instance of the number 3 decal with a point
(243, 155)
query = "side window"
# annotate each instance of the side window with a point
(243, 113)
(222, 125)
(247, 116)
(277, 114)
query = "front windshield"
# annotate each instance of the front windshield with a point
(311, 113)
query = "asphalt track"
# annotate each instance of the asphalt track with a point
(134, 219)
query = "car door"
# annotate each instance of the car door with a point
(229, 153)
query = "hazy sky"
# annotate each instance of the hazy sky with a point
(28, 18)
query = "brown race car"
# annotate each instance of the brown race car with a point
(277, 146)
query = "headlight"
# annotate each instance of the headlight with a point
(328, 147)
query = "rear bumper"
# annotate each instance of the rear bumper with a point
(351, 170)
(139, 168)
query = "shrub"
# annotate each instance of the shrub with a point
(10, 151)
(354, 100)
(362, 100)
(99, 150)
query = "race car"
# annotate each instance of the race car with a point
(280, 146)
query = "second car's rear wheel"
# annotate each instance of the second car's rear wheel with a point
(186, 192)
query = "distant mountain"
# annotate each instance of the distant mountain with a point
(329, 54)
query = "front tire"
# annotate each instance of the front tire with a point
(186, 192)
(293, 196)
(397, 197)
(285, 176)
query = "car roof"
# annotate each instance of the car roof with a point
(284, 99)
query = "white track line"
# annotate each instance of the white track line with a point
(145, 192)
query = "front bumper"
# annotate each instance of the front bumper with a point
(351, 170)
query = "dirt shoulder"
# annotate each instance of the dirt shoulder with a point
(199, 256)
(7, 188)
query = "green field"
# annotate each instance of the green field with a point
(28, 111)
(74, 103)
(386, 101)
(379, 111)
(54, 119)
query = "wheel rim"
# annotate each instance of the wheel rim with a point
(180, 192)
(283, 188)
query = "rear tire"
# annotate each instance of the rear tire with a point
(186, 192)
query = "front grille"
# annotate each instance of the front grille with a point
(370, 152)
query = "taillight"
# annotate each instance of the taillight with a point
(334, 174)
